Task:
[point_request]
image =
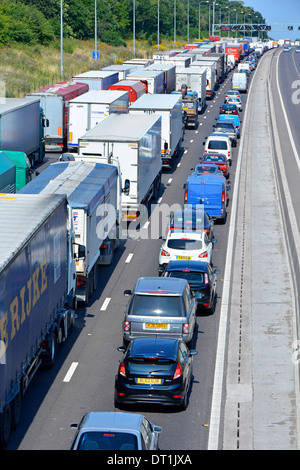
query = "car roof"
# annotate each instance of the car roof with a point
(187, 234)
(157, 347)
(218, 136)
(182, 265)
(111, 421)
(159, 285)
(226, 106)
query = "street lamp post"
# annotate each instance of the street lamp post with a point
(61, 39)
(133, 28)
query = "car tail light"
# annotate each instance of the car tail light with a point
(164, 253)
(186, 328)
(81, 281)
(203, 255)
(223, 197)
(122, 369)
(127, 326)
(185, 195)
(223, 167)
(178, 372)
(228, 153)
(206, 280)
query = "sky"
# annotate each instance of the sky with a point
(279, 14)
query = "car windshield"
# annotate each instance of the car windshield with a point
(99, 440)
(184, 244)
(193, 278)
(217, 144)
(156, 305)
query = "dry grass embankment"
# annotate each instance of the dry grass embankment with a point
(26, 68)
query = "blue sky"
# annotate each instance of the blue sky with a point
(279, 14)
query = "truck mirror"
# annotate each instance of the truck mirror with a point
(79, 251)
(127, 292)
(126, 188)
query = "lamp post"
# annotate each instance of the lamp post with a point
(188, 21)
(158, 25)
(200, 17)
(61, 39)
(96, 29)
(174, 23)
(133, 28)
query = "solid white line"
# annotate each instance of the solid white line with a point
(159, 200)
(146, 224)
(128, 259)
(70, 372)
(169, 180)
(105, 303)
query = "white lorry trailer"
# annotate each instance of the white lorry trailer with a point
(97, 79)
(211, 75)
(195, 80)
(153, 79)
(87, 110)
(93, 195)
(132, 143)
(169, 107)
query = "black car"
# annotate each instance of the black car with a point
(154, 370)
(201, 278)
(192, 219)
(229, 109)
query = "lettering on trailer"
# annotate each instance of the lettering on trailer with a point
(22, 305)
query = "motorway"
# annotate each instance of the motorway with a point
(57, 398)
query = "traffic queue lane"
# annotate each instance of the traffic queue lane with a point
(83, 377)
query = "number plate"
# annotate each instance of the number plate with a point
(162, 326)
(184, 257)
(147, 380)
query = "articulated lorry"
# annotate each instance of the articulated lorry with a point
(169, 107)
(21, 175)
(132, 143)
(54, 101)
(37, 301)
(22, 127)
(93, 195)
(87, 110)
(195, 80)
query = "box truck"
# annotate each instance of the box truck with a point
(93, 195)
(135, 88)
(87, 110)
(169, 107)
(122, 69)
(234, 50)
(211, 75)
(16, 134)
(36, 303)
(195, 80)
(133, 144)
(97, 79)
(169, 75)
(54, 101)
(153, 79)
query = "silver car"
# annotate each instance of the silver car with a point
(227, 128)
(112, 430)
(160, 307)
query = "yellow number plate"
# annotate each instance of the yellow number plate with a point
(184, 257)
(149, 381)
(162, 326)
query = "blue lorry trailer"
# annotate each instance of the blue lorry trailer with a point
(34, 313)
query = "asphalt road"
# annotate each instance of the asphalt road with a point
(52, 404)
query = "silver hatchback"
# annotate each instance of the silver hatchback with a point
(160, 307)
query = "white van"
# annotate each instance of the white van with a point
(218, 143)
(240, 81)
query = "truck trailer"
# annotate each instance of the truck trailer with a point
(195, 80)
(23, 171)
(211, 75)
(154, 80)
(7, 174)
(36, 305)
(97, 79)
(169, 107)
(54, 101)
(135, 88)
(87, 110)
(22, 127)
(169, 75)
(93, 195)
(133, 144)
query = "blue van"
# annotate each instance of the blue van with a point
(209, 190)
(232, 118)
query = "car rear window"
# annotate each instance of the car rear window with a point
(214, 158)
(217, 144)
(224, 126)
(156, 305)
(193, 278)
(203, 169)
(98, 440)
(184, 244)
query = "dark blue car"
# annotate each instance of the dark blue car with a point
(201, 278)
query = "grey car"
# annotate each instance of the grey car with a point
(160, 307)
(113, 430)
(227, 128)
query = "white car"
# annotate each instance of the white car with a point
(185, 245)
(232, 93)
(218, 143)
(235, 100)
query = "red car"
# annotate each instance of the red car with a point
(219, 160)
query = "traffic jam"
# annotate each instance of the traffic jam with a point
(125, 138)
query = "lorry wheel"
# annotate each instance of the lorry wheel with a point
(5, 426)
(52, 353)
